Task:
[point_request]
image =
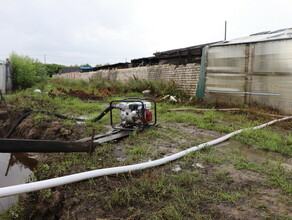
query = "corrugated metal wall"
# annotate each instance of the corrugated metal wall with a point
(5, 77)
(2, 76)
(251, 73)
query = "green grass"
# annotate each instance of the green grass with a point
(137, 152)
(42, 102)
(181, 195)
(265, 139)
(210, 119)
(66, 84)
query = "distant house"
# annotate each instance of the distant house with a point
(145, 61)
(71, 69)
(181, 56)
(5, 76)
(113, 66)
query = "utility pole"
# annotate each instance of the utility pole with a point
(225, 31)
(45, 58)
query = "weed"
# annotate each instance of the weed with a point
(242, 163)
(13, 212)
(95, 127)
(120, 198)
(137, 152)
(39, 121)
(90, 196)
(278, 176)
(229, 197)
(222, 176)
(135, 87)
(69, 124)
(171, 212)
(262, 206)
(266, 140)
(47, 193)
(212, 158)
(92, 182)
(66, 83)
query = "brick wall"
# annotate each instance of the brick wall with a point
(186, 76)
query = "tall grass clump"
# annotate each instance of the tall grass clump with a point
(157, 87)
(68, 84)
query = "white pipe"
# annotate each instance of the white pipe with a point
(45, 184)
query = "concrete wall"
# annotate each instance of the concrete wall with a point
(186, 76)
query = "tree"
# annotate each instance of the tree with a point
(53, 69)
(85, 65)
(26, 71)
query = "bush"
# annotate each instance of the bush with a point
(26, 72)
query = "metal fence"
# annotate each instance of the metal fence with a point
(252, 72)
(5, 76)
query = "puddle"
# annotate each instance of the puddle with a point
(255, 154)
(14, 169)
(250, 153)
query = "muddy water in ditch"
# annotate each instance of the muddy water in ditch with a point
(14, 169)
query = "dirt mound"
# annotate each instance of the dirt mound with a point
(41, 127)
(7, 119)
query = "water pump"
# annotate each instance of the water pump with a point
(135, 113)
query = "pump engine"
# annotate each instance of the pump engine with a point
(135, 112)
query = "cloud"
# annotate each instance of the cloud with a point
(102, 31)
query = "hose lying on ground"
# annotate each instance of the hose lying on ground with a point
(45, 184)
(14, 126)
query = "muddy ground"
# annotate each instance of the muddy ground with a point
(250, 195)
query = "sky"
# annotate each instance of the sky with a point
(73, 32)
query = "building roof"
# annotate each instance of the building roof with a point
(144, 58)
(113, 66)
(196, 50)
(261, 37)
(86, 68)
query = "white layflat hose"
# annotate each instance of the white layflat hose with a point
(45, 184)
